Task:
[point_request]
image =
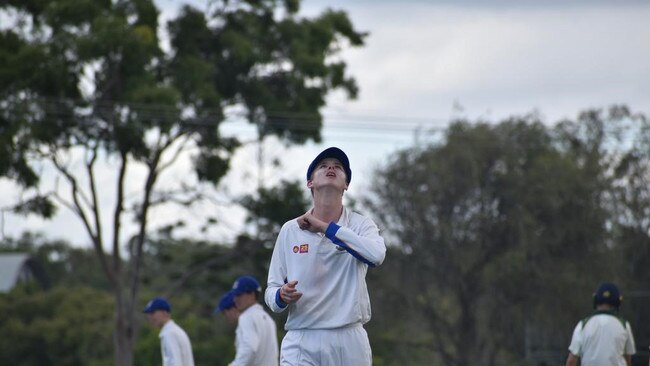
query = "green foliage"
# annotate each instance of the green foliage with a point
(37, 204)
(58, 327)
(202, 270)
(279, 69)
(272, 207)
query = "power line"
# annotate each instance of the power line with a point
(67, 108)
(337, 125)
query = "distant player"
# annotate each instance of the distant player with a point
(256, 338)
(227, 307)
(175, 345)
(603, 338)
(318, 273)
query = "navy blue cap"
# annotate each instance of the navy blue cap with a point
(331, 152)
(226, 302)
(607, 293)
(245, 284)
(157, 303)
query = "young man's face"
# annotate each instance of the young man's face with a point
(158, 318)
(243, 301)
(231, 314)
(328, 172)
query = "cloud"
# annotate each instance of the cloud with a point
(420, 57)
(476, 3)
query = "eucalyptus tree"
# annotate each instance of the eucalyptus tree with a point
(87, 88)
(623, 136)
(498, 224)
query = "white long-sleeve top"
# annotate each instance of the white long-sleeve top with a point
(175, 345)
(330, 270)
(256, 338)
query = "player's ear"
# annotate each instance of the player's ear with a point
(310, 184)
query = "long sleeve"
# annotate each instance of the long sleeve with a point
(256, 339)
(277, 275)
(367, 246)
(172, 353)
(247, 343)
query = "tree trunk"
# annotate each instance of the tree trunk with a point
(468, 354)
(124, 332)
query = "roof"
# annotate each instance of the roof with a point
(11, 266)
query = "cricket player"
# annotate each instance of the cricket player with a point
(318, 273)
(603, 338)
(175, 345)
(227, 307)
(256, 335)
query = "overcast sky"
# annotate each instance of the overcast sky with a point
(493, 59)
(425, 62)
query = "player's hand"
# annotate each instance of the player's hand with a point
(309, 222)
(288, 292)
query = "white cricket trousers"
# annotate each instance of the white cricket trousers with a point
(347, 346)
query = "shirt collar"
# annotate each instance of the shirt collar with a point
(166, 327)
(345, 218)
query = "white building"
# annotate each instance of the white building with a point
(16, 268)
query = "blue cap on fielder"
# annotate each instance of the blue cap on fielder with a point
(226, 302)
(608, 293)
(331, 152)
(245, 284)
(157, 303)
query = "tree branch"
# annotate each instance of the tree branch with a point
(176, 154)
(93, 191)
(140, 238)
(119, 208)
(78, 209)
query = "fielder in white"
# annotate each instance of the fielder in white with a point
(175, 345)
(318, 272)
(256, 335)
(603, 338)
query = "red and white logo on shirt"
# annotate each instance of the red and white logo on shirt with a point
(303, 248)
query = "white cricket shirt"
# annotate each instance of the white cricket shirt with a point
(175, 346)
(602, 341)
(256, 338)
(330, 270)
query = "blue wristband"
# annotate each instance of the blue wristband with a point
(278, 300)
